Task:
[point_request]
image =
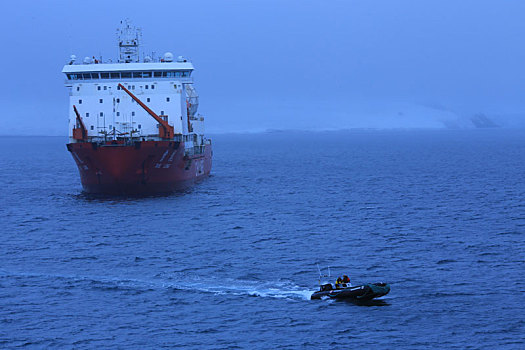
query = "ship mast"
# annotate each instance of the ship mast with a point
(129, 38)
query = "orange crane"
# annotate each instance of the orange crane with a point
(165, 131)
(79, 130)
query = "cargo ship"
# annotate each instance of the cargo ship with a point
(133, 123)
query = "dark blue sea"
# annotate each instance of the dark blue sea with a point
(231, 264)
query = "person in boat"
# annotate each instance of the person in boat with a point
(346, 281)
(338, 283)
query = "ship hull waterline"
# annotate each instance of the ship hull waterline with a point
(141, 167)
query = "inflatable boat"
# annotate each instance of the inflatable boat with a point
(367, 291)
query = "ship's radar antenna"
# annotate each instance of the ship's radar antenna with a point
(129, 38)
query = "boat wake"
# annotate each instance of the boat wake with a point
(282, 290)
(265, 289)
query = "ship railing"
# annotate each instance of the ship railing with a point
(195, 150)
(126, 140)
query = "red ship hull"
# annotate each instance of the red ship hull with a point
(143, 167)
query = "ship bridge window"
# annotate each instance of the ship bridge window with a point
(172, 74)
(125, 75)
(104, 75)
(139, 74)
(115, 75)
(94, 75)
(86, 76)
(76, 76)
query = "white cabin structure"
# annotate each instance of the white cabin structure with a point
(108, 112)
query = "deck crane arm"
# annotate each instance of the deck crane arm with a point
(166, 131)
(79, 131)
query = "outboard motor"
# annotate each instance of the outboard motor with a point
(326, 287)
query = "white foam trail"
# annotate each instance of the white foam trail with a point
(237, 287)
(280, 290)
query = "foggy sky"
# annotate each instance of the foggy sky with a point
(284, 64)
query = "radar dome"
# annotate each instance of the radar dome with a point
(88, 60)
(168, 57)
(72, 59)
(147, 59)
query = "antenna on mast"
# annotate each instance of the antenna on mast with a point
(321, 276)
(129, 38)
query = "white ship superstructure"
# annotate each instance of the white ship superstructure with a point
(108, 112)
